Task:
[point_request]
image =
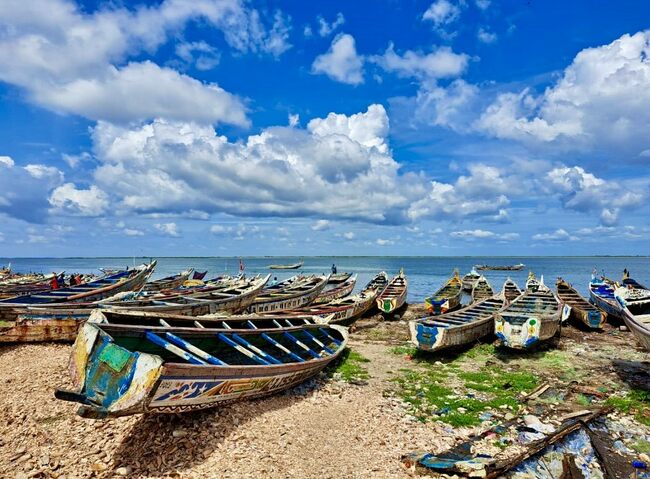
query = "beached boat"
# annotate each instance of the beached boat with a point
(128, 280)
(457, 328)
(532, 318)
(169, 282)
(60, 322)
(510, 290)
(447, 298)
(119, 370)
(379, 282)
(394, 295)
(482, 289)
(630, 282)
(339, 291)
(469, 279)
(635, 309)
(344, 311)
(337, 278)
(26, 284)
(289, 294)
(287, 266)
(601, 295)
(532, 284)
(484, 267)
(577, 307)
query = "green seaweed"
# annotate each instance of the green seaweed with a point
(349, 368)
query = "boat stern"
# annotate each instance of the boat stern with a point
(424, 337)
(109, 380)
(436, 307)
(596, 319)
(517, 336)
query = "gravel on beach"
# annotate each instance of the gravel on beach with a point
(325, 428)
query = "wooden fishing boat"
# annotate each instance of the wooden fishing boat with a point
(447, 298)
(601, 295)
(532, 318)
(287, 266)
(169, 282)
(482, 289)
(469, 279)
(344, 311)
(635, 308)
(120, 370)
(339, 278)
(339, 291)
(532, 284)
(630, 282)
(577, 307)
(457, 328)
(484, 267)
(394, 295)
(60, 322)
(378, 283)
(25, 284)
(510, 290)
(104, 287)
(289, 295)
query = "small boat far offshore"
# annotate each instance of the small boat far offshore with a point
(287, 266)
(484, 267)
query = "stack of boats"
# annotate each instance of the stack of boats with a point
(524, 320)
(180, 343)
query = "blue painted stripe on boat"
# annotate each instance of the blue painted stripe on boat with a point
(282, 348)
(242, 349)
(313, 338)
(295, 340)
(172, 338)
(255, 349)
(335, 341)
(173, 349)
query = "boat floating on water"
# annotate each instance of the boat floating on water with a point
(287, 266)
(447, 298)
(483, 267)
(120, 370)
(577, 307)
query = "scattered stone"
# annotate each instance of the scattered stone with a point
(123, 471)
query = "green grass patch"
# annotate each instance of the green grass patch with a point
(641, 446)
(350, 367)
(636, 403)
(6, 324)
(404, 350)
(478, 353)
(431, 397)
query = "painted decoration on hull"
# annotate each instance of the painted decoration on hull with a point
(181, 392)
(518, 336)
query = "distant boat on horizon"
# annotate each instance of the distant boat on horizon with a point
(515, 267)
(287, 266)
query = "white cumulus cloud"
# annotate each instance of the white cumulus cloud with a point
(67, 199)
(168, 229)
(341, 62)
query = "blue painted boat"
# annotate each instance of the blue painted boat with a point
(456, 328)
(127, 280)
(601, 295)
(120, 370)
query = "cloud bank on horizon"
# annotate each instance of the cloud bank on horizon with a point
(428, 138)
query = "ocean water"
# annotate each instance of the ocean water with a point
(425, 274)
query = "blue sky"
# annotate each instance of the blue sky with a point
(220, 127)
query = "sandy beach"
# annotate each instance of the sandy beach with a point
(346, 423)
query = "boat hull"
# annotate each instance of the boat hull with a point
(428, 338)
(113, 381)
(535, 330)
(641, 334)
(611, 308)
(442, 306)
